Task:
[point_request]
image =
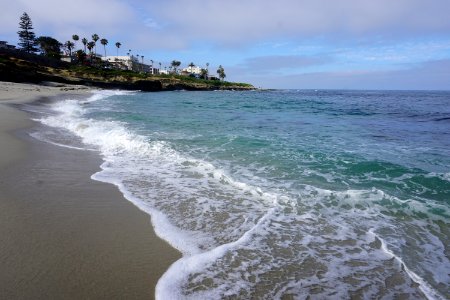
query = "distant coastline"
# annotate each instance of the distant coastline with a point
(22, 67)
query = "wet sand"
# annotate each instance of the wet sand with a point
(63, 235)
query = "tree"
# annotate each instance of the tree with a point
(95, 38)
(69, 46)
(27, 38)
(75, 38)
(81, 55)
(84, 41)
(90, 46)
(204, 73)
(191, 65)
(175, 64)
(118, 44)
(104, 42)
(221, 72)
(49, 46)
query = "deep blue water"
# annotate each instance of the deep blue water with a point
(268, 194)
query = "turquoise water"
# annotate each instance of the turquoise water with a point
(273, 194)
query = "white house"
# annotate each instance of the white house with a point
(193, 70)
(130, 63)
(122, 62)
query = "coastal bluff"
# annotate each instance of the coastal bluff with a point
(35, 69)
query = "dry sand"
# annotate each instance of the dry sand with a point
(63, 235)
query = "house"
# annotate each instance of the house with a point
(151, 70)
(196, 70)
(4, 45)
(66, 58)
(129, 63)
(122, 62)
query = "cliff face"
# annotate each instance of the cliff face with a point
(24, 70)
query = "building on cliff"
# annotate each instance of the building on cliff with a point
(196, 70)
(129, 63)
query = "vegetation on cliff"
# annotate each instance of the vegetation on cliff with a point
(22, 67)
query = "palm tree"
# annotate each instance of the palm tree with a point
(118, 44)
(84, 41)
(69, 45)
(204, 73)
(90, 46)
(95, 38)
(191, 66)
(175, 64)
(75, 37)
(104, 42)
(137, 66)
(221, 72)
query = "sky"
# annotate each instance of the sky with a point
(287, 44)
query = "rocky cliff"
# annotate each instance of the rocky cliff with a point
(23, 69)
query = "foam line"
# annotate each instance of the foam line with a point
(429, 292)
(42, 139)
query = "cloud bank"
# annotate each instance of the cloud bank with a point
(231, 22)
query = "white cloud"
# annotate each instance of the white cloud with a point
(149, 22)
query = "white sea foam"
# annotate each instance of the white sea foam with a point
(243, 236)
(424, 286)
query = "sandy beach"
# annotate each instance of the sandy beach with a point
(63, 235)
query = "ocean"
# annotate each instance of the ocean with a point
(283, 194)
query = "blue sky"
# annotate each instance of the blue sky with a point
(335, 44)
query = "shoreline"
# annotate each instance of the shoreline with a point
(64, 234)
